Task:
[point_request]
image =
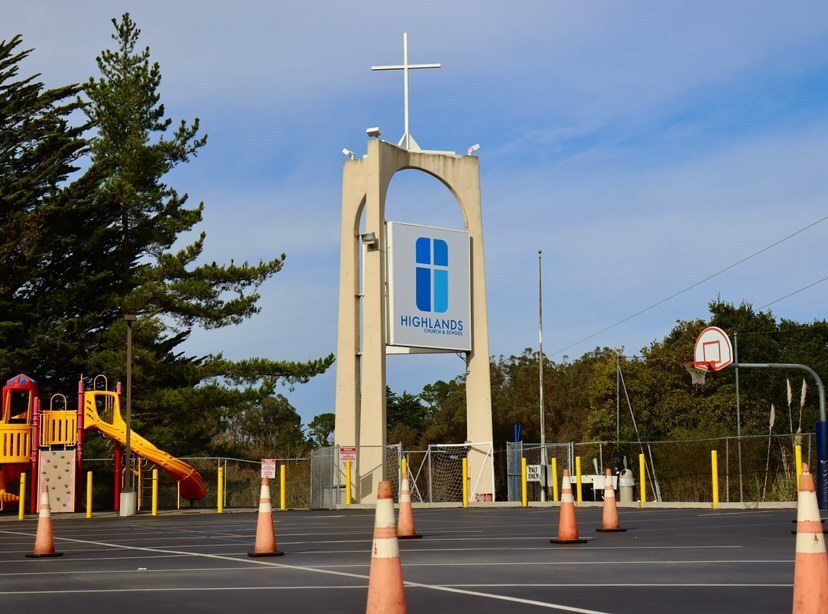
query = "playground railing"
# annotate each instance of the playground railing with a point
(15, 443)
(58, 428)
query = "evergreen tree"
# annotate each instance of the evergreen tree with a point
(41, 225)
(138, 218)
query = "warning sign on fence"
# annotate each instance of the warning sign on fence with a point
(268, 467)
(346, 453)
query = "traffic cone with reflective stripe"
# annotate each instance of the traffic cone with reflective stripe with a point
(385, 584)
(810, 594)
(265, 534)
(567, 526)
(610, 522)
(405, 523)
(45, 538)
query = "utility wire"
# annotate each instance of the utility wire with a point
(782, 298)
(698, 283)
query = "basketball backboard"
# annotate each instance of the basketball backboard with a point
(713, 347)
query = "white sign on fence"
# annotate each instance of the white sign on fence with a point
(533, 473)
(268, 467)
(347, 453)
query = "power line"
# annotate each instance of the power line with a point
(782, 298)
(698, 283)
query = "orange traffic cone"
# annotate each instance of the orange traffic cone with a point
(405, 523)
(385, 585)
(567, 527)
(810, 594)
(610, 523)
(44, 539)
(265, 534)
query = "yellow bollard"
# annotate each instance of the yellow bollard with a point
(714, 465)
(465, 482)
(578, 479)
(220, 495)
(348, 482)
(282, 487)
(21, 509)
(524, 499)
(642, 470)
(155, 492)
(798, 453)
(555, 479)
(89, 494)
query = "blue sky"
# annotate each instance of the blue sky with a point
(643, 146)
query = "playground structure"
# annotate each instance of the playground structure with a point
(48, 443)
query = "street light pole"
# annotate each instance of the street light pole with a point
(128, 501)
(544, 461)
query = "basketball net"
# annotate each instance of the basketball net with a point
(698, 371)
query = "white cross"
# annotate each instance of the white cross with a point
(406, 140)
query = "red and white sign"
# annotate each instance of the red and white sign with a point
(347, 453)
(268, 467)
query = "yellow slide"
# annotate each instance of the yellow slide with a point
(112, 425)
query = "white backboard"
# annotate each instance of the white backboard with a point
(713, 346)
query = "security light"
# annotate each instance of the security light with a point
(373, 132)
(350, 154)
(369, 239)
(472, 149)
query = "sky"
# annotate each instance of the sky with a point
(642, 146)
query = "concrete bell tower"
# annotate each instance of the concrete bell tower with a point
(363, 308)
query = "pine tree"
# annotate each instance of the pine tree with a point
(39, 150)
(137, 219)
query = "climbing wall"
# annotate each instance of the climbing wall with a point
(57, 471)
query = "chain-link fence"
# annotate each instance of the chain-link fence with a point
(369, 465)
(755, 468)
(750, 468)
(241, 483)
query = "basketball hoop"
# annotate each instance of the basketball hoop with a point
(698, 370)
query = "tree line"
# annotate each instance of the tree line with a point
(581, 396)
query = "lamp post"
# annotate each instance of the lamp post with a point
(128, 501)
(544, 461)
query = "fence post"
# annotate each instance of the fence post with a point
(282, 487)
(89, 494)
(465, 482)
(220, 495)
(155, 492)
(21, 508)
(348, 482)
(642, 469)
(555, 478)
(798, 453)
(523, 494)
(578, 478)
(714, 466)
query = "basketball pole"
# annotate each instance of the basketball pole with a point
(821, 425)
(738, 417)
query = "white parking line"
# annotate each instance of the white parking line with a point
(264, 563)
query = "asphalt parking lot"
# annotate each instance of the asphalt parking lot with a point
(476, 560)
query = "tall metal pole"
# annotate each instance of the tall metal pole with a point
(544, 461)
(128, 493)
(738, 417)
(617, 401)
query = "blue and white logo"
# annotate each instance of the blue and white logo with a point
(429, 287)
(432, 289)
